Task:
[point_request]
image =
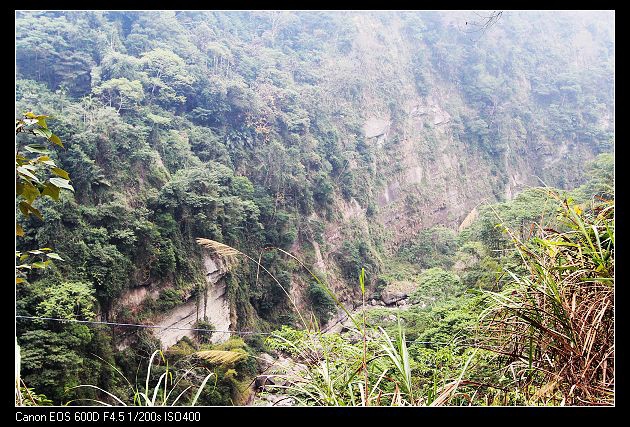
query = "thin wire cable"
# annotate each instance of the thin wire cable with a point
(190, 329)
(139, 326)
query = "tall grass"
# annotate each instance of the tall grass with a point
(160, 394)
(555, 322)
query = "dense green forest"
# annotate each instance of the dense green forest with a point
(373, 187)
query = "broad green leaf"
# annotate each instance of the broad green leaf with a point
(30, 115)
(51, 190)
(56, 140)
(42, 122)
(19, 188)
(30, 192)
(23, 208)
(62, 183)
(38, 265)
(36, 148)
(22, 170)
(19, 280)
(23, 257)
(19, 231)
(54, 256)
(36, 212)
(26, 208)
(60, 172)
(45, 249)
(42, 132)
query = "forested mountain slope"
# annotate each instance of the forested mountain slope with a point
(340, 137)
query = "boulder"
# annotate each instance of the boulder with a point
(391, 297)
(265, 360)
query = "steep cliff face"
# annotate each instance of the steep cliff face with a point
(172, 325)
(428, 173)
(426, 166)
(213, 305)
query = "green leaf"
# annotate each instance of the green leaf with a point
(362, 281)
(35, 252)
(60, 172)
(36, 212)
(30, 192)
(23, 257)
(51, 190)
(22, 170)
(62, 183)
(19, 231)
(54, 256)
(19, 280)
(42, 132)
(19, 188)
(42, 122)
(56, 140)
(38, 265)
(30, 115)
(26, 209)
(37, 148)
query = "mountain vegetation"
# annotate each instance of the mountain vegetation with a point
(401, 211)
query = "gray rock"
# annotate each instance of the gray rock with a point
(265, 360)
(391, 297)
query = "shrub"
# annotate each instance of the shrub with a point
(322, 303)
(436, 284)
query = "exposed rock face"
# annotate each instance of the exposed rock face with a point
(374, 127)
(470, 218)
(216, 308)
(133, 299)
